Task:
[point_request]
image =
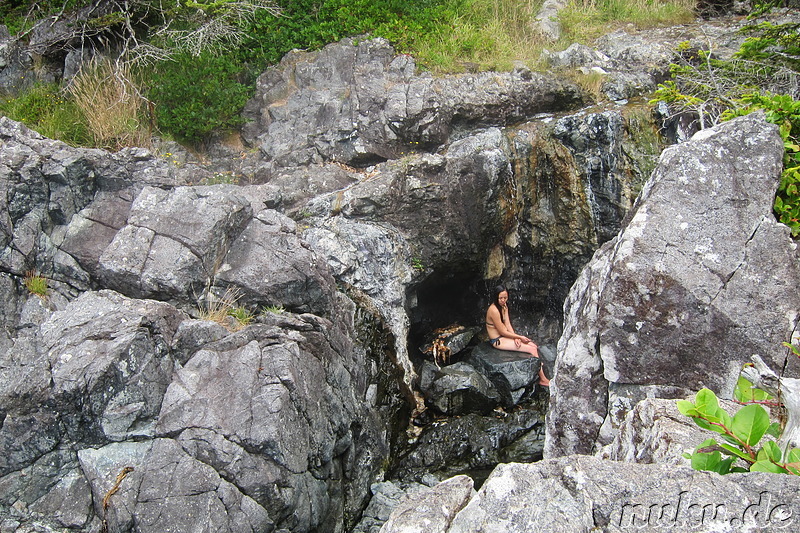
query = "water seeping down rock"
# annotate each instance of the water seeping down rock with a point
(380, 205)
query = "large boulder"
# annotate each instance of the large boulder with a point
(654, 431)
(360, 103)
(259, 428)
(701, 277)
(457, 389)
(473, 444)
(512, 373)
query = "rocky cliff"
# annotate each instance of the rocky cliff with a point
(378, 204)
(700, 277)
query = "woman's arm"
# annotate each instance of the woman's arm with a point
(517, 338)
(507, 322)
(503, 327)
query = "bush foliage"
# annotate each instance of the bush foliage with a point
(444, 35)
(195, 96)
(741, 449)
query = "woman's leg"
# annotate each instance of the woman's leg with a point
(511, 346)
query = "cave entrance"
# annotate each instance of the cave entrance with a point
(442, 301)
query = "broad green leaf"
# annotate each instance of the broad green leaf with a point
(706, 402)
(745, 392)
(733, 450)
(705, 425)
(767, 466)
(794, 456)
(725, 418)
(706, 461)
(686, 408)
(771, 451)
(750, 423)
(775, 430)
(724, 466)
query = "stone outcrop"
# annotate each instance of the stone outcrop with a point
(114, 379)
(359, 103)
(654, 431)
(580, 493)
(473, 443)
(701, 277)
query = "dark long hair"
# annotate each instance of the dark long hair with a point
(496, 299)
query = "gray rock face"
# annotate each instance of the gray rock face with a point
(431, 510)
(173, 240)
(273, 426)
(250, 430)
(673, 304)
(358, 103)
(654, 431)
(579, 493)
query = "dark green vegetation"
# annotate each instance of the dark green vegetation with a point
(195, 96)
(192, 69)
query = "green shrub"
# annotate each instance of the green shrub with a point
(311, 24)
(195, 96)
(741, 434)
(46, 109)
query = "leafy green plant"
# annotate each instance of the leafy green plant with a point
(196, 95)
(741, 434)
(745, 393)
(36, 284)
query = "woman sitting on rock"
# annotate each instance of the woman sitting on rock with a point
(501, 333)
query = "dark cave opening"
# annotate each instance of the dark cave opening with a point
(441, 301)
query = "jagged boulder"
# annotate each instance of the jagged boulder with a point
(457, 389)
(360, 103)
(654, 431)
(473, 444)
(431, 510)
(701, 277)
(513, 374)
(251, 430)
